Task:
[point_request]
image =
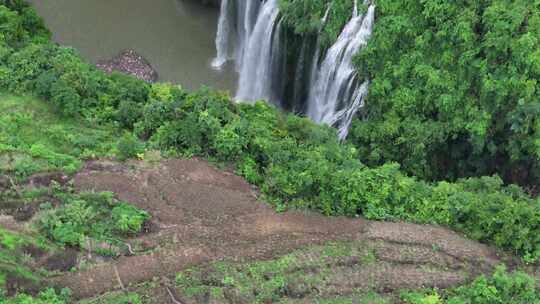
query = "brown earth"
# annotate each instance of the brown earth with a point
(201, 214)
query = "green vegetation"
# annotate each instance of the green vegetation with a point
(96, 216)
(455, 89)
(48, 296)
(502, 287)
(95, 222)
(14, 259)
(454, 96)
(311, 273)
(305, 18)
(34, 139)
(307, 272)
(296, 163)
(117, 298)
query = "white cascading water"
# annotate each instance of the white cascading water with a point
(315, 62)
(236, 21)
(259, 60)
(335, 92)
(223, 36)
(335, 95)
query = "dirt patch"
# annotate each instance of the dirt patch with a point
(435, 238)
(14, 284)
(61, 261)
(21, 211)
(5, 183)
(201, 214)
(44, 180)
(9, 223)
(33, 251)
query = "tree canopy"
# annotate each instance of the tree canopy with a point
(455, 89)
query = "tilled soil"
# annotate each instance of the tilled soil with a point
(201, 214)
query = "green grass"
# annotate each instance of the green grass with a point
(14, 263)
(116, 298)
(34, 139)
(304, 272)
(309, 274)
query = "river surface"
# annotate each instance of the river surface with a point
(175, 36)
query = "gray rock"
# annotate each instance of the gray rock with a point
(131, 63)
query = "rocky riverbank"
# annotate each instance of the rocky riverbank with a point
(131, 63)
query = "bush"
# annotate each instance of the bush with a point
(229, 142)
(502, 287)
(128, 113)
(71, 223)
(49, 296)
(90, 215)
(128, 219)
(129, 146)
(12, 28)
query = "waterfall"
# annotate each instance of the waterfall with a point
(261, 57)
(334, 91)
(236, 22)
(223, 36)
(335, 94)
(344, 118)
(315, 62)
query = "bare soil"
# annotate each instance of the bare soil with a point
(201, 214)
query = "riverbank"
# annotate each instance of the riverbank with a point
(177, 37)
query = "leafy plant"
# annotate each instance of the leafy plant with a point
(128, 219)
(91, 215)
(49, 296)
(129, 146)
(502, 287)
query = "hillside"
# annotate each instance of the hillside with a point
(115, 190)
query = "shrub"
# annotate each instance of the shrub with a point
(502, 287)
(128, 113)
(90, 215)
(229, 142)
(129, 146)
(128, 219)
(71, 223)
(48, 296)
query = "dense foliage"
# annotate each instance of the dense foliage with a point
(296, 163)
(455, 89)
(455, 84)
(306, 18)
